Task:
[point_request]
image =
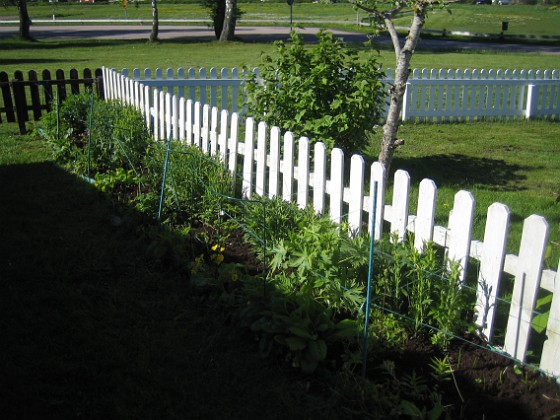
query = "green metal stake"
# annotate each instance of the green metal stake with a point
(165, 165)
(370, 274)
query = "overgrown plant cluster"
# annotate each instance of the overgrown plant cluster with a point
(303, 297)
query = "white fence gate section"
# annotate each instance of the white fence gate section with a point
(275, 164)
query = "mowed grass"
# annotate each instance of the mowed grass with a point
(80, 54)
(523, 19)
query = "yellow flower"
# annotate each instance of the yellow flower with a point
(215, 247)
(234, 277)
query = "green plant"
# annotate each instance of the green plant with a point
(326, 94)
(90, 135)
(196, 187)
(421, 288)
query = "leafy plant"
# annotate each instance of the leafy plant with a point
(90, 135)
(327, 93)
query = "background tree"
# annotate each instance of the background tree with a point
(224, 15)
(155, 22)
(383, 12)
(24, 20)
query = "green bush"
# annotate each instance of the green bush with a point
(92, 136)
(327, 93)
(196, 187)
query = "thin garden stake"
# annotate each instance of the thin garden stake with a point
(165, 165)
(370, 274)
(89, 136)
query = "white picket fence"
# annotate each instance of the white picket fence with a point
(431, 95)
(274, 164)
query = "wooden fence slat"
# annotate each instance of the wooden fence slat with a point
(260, 173)
(7, 98)
(356, 199)
(551, 348)
(525, 288)
(287, 166)
(34, 92)
(274, 175)
(491, 267)
(336, 185)
(303, 173)
(319, 177)
(247, 184)
(401, 194)
(425, 214)
(460, 230)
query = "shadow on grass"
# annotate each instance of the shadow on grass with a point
(95, 326)
(460, 170)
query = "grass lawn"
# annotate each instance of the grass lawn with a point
(523, 19)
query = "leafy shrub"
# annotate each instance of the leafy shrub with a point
(196, 185)
(327, 93)
(90, 135)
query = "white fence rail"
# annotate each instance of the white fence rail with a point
(431, 95)
(275, 164)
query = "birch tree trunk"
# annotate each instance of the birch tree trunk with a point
(228, 29)
(155, 22)
(403, 55)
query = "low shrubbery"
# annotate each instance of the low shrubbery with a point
(303, 293)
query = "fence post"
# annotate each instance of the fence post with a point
(532, 104)
(319, 177)
(377, 175)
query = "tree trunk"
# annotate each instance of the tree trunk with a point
(389, 142)
(24, 21)
(228, 30)
(155, 22)
(219, 17)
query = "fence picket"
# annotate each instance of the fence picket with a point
(356, 198)
(425, 215)
(491, 266)
(303, 173)
(319, 177)
(551, 348)
(260, 173)
(460, 230)
(287, 166)
(527, 279)
(399, 208)
(248, 154)
(335, 185)
(274, 169)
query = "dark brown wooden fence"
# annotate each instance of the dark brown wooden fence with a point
(21, 97)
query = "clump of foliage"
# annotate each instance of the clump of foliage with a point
(196, 187)
(326, 93)
(92, 136)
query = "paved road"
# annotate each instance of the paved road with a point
(245, 33)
